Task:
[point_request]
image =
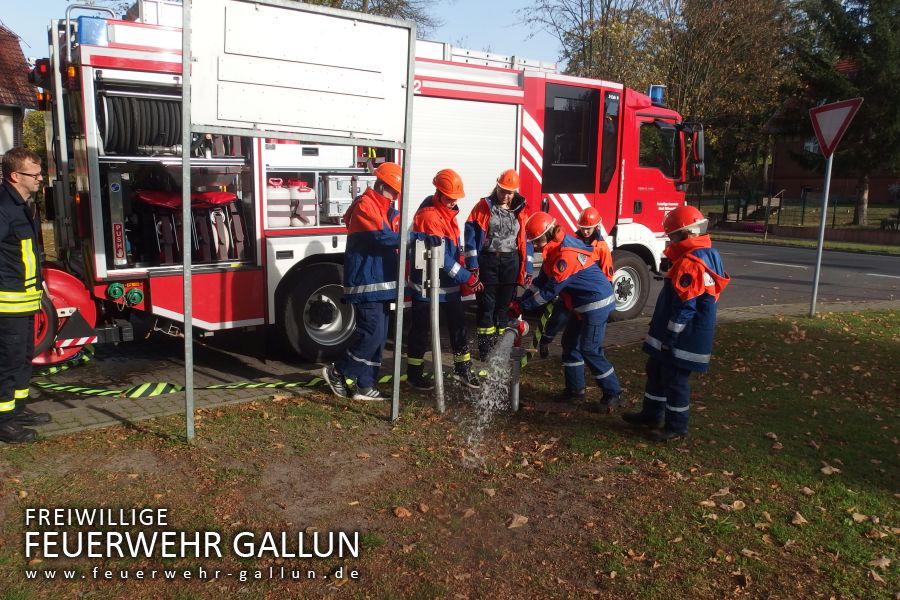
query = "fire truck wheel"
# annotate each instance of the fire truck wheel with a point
(45, 325)
(631, 285)
(312, 319)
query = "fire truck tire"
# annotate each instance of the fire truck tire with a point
(313, 321)
(45, 325)
(631, 285)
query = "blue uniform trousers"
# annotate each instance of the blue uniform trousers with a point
(667, 395)
(582, 342)
(363, 358)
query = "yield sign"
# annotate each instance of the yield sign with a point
(830, 121)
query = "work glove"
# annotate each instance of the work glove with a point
(515, 309)
(475, 284)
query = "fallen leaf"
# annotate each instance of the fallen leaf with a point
(612, 574)
(402, 513)
(876, 577)
(829, 470)
(738, 505)
(722, 492)
(772, 435)
(707, 503)
(806, 491)
(423, 507)
(491, 492)
(798, 519)
(859, 517)
(407, 548)
(881, 562)
(768, 539)
(354, 503)
(767, 516)
(363, 455)
(750, 553)
(517, 521)
(874, 534)
(23, 494)
(132, 475)
(676, 540)
(812, 444)
(711, 517)
(635, 556)
(469, 512)
(777, 446)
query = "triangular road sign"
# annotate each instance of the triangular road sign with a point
(830, 121)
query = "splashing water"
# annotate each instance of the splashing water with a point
(492, 398)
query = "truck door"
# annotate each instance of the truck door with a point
(655, 152)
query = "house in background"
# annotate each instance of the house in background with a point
(16, 93)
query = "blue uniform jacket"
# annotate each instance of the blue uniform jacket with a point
(436, 220)
(684, 320)
(371, 261)
(570, 269)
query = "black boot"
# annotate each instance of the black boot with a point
(12, 432)
(29, 417)
(639, 419)
(568, 395)
(664, 435)
(415, 377)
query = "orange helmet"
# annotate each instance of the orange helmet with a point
(537, 225)
(509, 180)
(449, 183)
(590, 217)
(685, 217)
(391, 174)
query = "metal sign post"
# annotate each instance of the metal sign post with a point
(186, 217)
(829, 122)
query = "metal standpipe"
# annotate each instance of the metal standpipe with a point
(435, 261)
(519, 330)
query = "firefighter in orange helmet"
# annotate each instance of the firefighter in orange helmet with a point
(370, 283)
(590, 234)
(496, 249)
(570, 271)
(435, 222)
(681, 333)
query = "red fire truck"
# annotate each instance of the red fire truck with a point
(266, 231)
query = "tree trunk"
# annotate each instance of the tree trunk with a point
(860, 214)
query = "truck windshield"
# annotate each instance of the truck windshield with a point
(659, 148)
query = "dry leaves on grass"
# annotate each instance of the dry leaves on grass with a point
(859, 517)
(491, 492)
(516, 521)
(469, 512)
(882, 562)
(876, 577)
(402, 512)
(798, 519)
(750, 553)
(806, 491)
(828, 469)
(738, 505)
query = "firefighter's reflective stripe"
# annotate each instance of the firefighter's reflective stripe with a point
(30, 263)
(372, 287)
(21, 394)
(486, 330)
(20, 302)
(677, 352)
(654, 398)
(595, 305)
(7, 406)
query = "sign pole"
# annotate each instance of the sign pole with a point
(186, 219)
(823, 217)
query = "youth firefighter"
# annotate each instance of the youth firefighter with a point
(435, 221)
(498, 253)
(370, 283)
(680, 339)
(20, 293)
(571, 272)
(590, 235)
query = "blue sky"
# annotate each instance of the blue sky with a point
(474, 24)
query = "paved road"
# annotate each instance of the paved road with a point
(762, 275)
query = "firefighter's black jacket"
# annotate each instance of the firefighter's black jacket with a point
(20, 269)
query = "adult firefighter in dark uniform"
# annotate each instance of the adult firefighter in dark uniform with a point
(435, 222)
(370, 283)
(21, 287)
(681, 333)
(571, 272)
(497, 251)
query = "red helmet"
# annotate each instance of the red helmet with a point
(391, 174)
(685, 217)
(449, 183)
(508, 180)
(590, 217)
(537, 225)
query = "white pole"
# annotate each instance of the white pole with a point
(186, 217)
(815, 290)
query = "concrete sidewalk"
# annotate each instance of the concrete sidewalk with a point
(122, 367)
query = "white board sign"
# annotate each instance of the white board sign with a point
(298, 69)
